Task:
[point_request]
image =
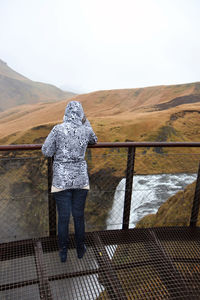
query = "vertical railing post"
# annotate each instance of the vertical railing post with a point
(196, 202)
(51, 201)
(128, 190)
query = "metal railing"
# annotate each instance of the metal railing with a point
(131, 153)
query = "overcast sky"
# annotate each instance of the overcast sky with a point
(88, 45)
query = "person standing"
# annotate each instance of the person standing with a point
(67, 143)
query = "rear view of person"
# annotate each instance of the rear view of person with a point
(67, 142)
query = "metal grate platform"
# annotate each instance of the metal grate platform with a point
(158, 263)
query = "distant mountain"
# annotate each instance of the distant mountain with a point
(75, 90)
(15, 89)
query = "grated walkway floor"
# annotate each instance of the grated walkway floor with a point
(159, 263)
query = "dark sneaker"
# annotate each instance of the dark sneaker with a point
(63, 254)
(81, 251)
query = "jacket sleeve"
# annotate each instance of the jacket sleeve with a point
(92, 136)
(49, 146)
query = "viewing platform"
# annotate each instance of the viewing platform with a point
(130, 255)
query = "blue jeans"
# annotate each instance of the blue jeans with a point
(68, 201)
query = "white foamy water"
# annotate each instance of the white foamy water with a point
(149, 192)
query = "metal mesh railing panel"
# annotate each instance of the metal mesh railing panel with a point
(106, 169)
(158, 176)
(23, 197)
(24, 186)
(162, 179)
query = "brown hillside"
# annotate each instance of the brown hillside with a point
(16, 89)
(112, 102)
(134, 114)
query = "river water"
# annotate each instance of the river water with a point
(149, 192)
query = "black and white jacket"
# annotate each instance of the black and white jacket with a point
(67, 142)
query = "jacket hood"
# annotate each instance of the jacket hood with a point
(74, 113)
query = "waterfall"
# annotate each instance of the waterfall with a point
(149, 193)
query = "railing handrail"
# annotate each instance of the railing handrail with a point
(108, 145)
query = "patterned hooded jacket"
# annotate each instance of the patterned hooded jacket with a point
(67, 142)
